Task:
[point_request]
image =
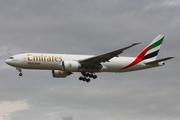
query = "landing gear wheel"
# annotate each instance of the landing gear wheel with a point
(88, 80)
(84, 79)
(87, 75)
(90, 75)
(95, 76)
(20, 74)
(20, 71)
(81, 78)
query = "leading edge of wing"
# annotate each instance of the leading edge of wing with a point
(105, 57)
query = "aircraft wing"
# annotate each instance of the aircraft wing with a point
(96, 60)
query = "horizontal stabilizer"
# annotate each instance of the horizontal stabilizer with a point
(160, 60)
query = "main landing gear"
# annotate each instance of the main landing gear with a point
(85, 76)
(20, 71)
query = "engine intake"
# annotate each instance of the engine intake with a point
(60, 74)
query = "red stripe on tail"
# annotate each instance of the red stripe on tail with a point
(139, 58)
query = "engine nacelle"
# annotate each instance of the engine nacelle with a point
(71, 66)
(60, 74)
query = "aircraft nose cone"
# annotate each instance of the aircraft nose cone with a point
(7, 61)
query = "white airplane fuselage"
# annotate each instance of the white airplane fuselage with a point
(43, 61)
(63, 65)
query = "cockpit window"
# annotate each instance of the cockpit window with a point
(11, 57)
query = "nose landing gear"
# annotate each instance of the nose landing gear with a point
(20, 71)
(20, 74)
(85, 76)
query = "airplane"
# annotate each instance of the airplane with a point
(63, 65)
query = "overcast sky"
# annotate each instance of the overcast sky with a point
(89, 27)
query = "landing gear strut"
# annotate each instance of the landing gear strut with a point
(20, 71)
(85, 76)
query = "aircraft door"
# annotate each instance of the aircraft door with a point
(24, 58)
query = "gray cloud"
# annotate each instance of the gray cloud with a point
(90, 27)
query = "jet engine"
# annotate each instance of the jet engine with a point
(71, 66)
(60, 74)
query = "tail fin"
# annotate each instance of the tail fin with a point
(151, 51)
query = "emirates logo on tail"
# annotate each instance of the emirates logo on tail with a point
(149, 53)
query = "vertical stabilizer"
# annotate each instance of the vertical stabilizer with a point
(151, 51)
